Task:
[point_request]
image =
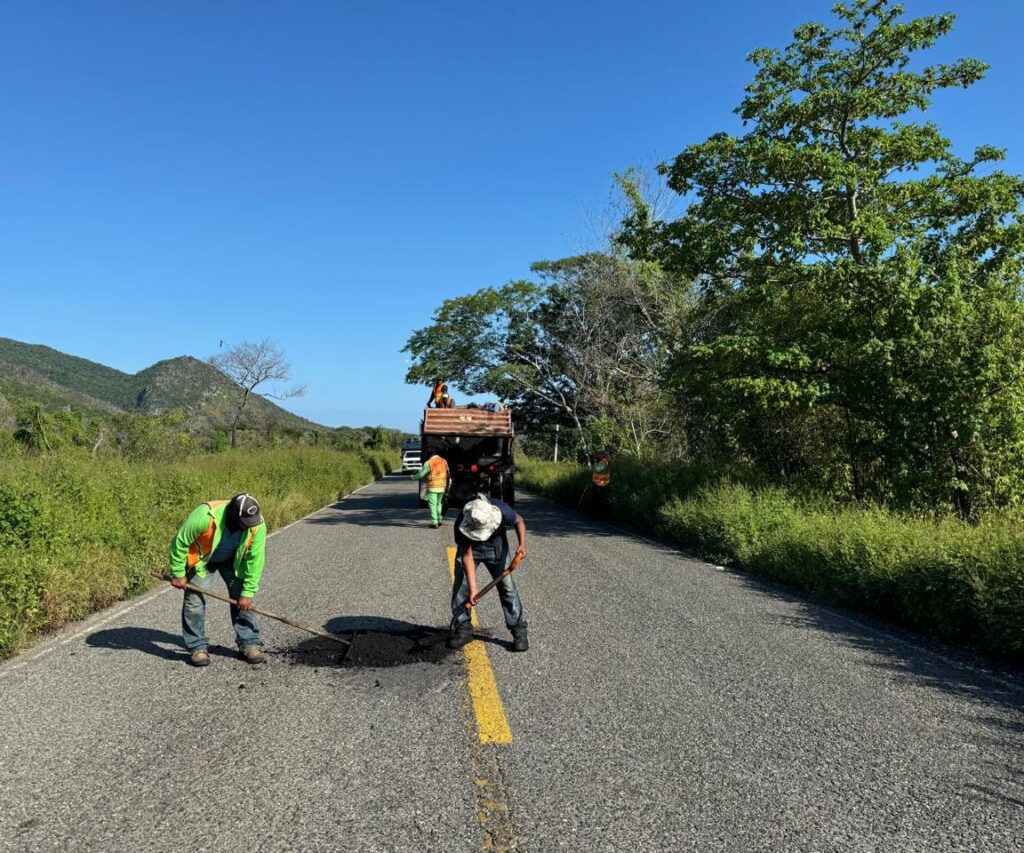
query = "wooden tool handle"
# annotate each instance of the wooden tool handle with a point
(308, 629)
(511, 568)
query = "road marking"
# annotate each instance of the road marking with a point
(491, 722)
(492, 735)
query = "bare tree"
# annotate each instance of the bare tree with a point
(250, 365)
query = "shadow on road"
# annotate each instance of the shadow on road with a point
(545, 518)
(380, 643)
(148, 640)
(374, 509)
(993, 686)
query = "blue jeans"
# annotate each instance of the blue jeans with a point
(193, 611)
(494, 555)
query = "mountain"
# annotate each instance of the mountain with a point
(56, 380)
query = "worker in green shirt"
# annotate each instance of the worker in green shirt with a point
(226, 538)
(435, 469)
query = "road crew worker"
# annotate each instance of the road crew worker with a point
(481, 536)
(601, 470)
(226, 538)
(439, 397)
(435, 469)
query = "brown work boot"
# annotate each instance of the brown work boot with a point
(253, 654)
(200, 657)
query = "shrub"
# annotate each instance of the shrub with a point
(78, 533)
(944, 577)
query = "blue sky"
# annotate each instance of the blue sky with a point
(323, 174)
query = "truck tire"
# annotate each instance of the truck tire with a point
(508, 489)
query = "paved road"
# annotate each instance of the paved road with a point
(663, 705)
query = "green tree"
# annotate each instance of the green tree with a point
(855, 274)
(573, 348)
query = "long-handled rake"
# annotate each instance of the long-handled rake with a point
(307, 628)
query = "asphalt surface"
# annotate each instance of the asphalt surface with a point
(664, 705)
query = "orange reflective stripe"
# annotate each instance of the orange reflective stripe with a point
(204, 544)
(438, 476)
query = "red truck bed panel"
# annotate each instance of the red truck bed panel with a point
(466, 422)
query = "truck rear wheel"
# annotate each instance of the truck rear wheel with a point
(508, 489)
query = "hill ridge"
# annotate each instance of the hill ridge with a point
(182, 382)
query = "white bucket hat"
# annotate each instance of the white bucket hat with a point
(480, 518)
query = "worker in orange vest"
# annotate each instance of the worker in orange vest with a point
(439, 397)
(226, 538)
(435, 469)
(601, 470)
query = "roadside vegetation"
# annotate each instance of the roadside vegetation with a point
(802, 342)
(947, 578)
(98, 468)
(79, 532)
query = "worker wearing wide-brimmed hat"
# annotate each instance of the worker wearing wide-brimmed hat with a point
(226, 538)
(481, 536)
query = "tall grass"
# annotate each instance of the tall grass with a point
(963, 583)
(79, 533)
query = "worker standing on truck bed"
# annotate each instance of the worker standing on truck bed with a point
(226, 538)
(439, 397)
(481, 536)
(435, 469)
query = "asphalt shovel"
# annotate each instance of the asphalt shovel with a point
(307, 628)
(511, 568)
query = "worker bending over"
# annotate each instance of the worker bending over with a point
(481, 536)
(226, 538)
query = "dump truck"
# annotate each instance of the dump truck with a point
(477, 445)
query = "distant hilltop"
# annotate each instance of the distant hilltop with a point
(56, 380)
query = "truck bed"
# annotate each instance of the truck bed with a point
(466, 422)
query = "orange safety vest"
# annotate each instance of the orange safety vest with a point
(440, 391)
(203, 546)
(438, 476)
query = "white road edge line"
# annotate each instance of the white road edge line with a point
(124, 607)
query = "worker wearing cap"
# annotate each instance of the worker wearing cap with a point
(226, 538)
(481, 536)
(435, 469)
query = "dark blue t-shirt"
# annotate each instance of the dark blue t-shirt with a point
(508, 519)
(224, 554)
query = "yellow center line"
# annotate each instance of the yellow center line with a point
(491, 722)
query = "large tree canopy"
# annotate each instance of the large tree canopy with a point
(854, 270)
(579, 347)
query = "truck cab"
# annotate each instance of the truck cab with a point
(477, 444)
